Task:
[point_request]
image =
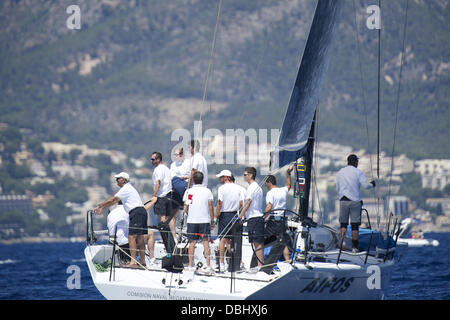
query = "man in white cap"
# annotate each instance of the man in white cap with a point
(133, 205)
(230, 200)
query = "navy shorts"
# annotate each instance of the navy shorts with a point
(138, 221)
(164, 206)
(225, 223)
(255, 228)
(197, 231)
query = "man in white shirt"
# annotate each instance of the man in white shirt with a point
(198, 163)
(230, 200)
(348, 182)
(162, 181)
(276, 197)
(133, 205)
(252, 212)
(118, 224)
(198, 203)
(276, 201)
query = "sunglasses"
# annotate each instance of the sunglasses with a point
(153, 159)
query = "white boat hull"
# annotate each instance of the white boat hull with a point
(419, 242)
(316, 280)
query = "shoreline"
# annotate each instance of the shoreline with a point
(83, 239)
(42, 240)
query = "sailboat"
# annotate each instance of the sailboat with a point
(319, 268)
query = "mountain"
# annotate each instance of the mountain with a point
(136, 71)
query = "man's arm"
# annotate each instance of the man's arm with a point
(364, 183)
(288, 177)
(150, 203)
(218, 208)
(191, 178)
(106, 204)
(268, 208)
(157, 185)
(245, 208)
(211, 213)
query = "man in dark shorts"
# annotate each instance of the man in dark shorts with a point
(230, 200)
(252, 211)
(198, 204)
(133, 205)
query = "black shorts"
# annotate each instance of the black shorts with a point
(164, 206)
(255, 228)
(138, 221)
(225, 223)
(197, 231)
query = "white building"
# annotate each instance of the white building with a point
(435, 172)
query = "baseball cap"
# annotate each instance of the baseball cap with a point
(123, 175)
(352, 158)
(224, 173)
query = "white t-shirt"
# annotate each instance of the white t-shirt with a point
(255, 193)
(230, 194)
(180, 169)
(277, 197)
(197, 198)
(348, 182)
(120, 218)
(198, 162)
(162, 173)
(130, 197)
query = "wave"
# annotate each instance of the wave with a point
(7, 261)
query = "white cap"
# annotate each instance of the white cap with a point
(123, 175)
(224, 173)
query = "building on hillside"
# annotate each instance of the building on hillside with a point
(435, 173)
(20, 203)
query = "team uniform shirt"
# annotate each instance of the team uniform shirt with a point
(180, 169)
(277, 197)
(198, 162)
(230, 194)
(255, 193)
(197, 198)
(348, 182)
(162, 173)
(118, 218)
(130, 197)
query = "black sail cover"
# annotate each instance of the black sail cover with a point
(305, 95)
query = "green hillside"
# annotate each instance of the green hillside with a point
(136, 71)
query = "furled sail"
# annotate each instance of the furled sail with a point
(297, 123)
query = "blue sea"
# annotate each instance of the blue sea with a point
(46, 271)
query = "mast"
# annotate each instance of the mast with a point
(303, 169)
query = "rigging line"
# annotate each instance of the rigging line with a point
(375, 193)
(397, 103)
(378, 95)
(211, 58)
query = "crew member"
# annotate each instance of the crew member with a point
(229, 202)
(198, 203)
(348, 183)
(276, 199)
(252, 211)
(132, 204)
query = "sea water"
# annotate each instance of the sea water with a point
(50, 270)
